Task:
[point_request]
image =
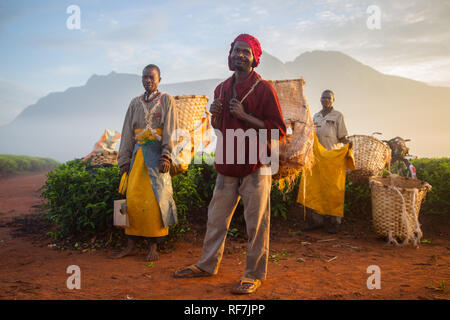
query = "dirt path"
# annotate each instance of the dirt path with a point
(302, 266)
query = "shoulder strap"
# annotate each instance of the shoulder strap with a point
(251, 89)
(221, 91)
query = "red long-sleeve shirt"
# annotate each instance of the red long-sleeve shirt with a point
(262, 103)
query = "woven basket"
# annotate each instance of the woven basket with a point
(371, 156)
(192, 116)
(190, 110)
(103, 157)
(395, 216)
(296, 150)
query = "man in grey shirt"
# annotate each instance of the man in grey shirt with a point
(332, 134)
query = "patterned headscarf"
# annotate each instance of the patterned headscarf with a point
(253, 43)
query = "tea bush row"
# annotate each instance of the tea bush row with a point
(13, 164)
(81, 201)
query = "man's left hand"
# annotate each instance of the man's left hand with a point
(237, 109)
(164, 165)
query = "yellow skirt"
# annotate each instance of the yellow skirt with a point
(142, 207)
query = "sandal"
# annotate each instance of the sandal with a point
(246, 286)
(191, 271)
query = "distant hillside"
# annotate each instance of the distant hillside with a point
(372, 101)
(65, 125)
(14, 165)
(13, 100)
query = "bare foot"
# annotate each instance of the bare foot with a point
(128, 251)
(152, 253)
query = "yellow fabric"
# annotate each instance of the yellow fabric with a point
(323, 187)
(142, 207)
(143, 135)
(123, 183)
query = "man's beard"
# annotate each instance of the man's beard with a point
(241, 67)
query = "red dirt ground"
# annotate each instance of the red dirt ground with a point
(333, 266)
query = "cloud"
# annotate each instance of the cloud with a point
(431, 71)
(11, 11)
(67, 70)
(258, 10)
(332, 17)
(190, 40)
(105, 18)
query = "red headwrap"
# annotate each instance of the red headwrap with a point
(253, 43)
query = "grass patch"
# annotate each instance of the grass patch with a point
(11, 165)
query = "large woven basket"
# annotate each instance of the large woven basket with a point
(103, 157)
(396, 203)
(371, 156)
(296, 150)
(192, 116)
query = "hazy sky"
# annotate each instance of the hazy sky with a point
(190, 40)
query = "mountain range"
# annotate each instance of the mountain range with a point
(65, 125)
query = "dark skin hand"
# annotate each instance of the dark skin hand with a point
(237, 110)
(216, 110)
(344, 140)
(124, 169)
(164, 165)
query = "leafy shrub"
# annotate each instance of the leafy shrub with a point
(437, 173)
(282, 200)
(80, 201)
(186, 197)
(13, 164)
(206, 181)
(434, 171)
(185, 192)
(192, 192)
(358, 199)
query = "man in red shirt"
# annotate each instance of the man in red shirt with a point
(244, 107)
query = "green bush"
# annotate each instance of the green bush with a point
(205, 182)
(282, 200)
(186, 197)
(80, 201)
(358, 199)
(437, 173)
(13, 164)
(434, 171)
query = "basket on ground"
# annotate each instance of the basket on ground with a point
(194, 120)
(396, 205)
(371, 156)
(296, 150)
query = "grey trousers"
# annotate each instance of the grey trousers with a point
(254, 189)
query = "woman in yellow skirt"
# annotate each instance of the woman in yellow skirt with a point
(145, 155)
